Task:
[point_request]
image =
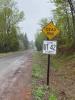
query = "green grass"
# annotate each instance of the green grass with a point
(38, 66)
(52, 97)
(39, 93)
(39, 72)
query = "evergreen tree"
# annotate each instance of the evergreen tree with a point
(26, 42)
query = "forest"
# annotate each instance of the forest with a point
(11, 38)
(64, 19)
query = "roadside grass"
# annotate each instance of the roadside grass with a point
(38, 93)
(9, 53)
(5, 54)
(38, 75)
(39, 71)
(62, 67)
(52, 97)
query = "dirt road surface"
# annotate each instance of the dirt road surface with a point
(15, 76)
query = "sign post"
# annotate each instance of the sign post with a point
(49, 47)
(48, 69)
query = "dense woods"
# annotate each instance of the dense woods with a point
(10, 16)
(64, 19)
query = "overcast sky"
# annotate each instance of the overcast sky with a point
(34, 11)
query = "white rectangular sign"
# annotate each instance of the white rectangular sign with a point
(49, 47)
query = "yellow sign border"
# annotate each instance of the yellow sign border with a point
(51, 36)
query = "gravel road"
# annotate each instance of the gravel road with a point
(15, 76)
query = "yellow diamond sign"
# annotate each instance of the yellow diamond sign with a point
(50, 30)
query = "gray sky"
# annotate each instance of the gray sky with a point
(34, 11)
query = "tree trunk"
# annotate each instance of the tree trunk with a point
(73, 19)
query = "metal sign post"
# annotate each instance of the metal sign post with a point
(49, 47)
(48, 69)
